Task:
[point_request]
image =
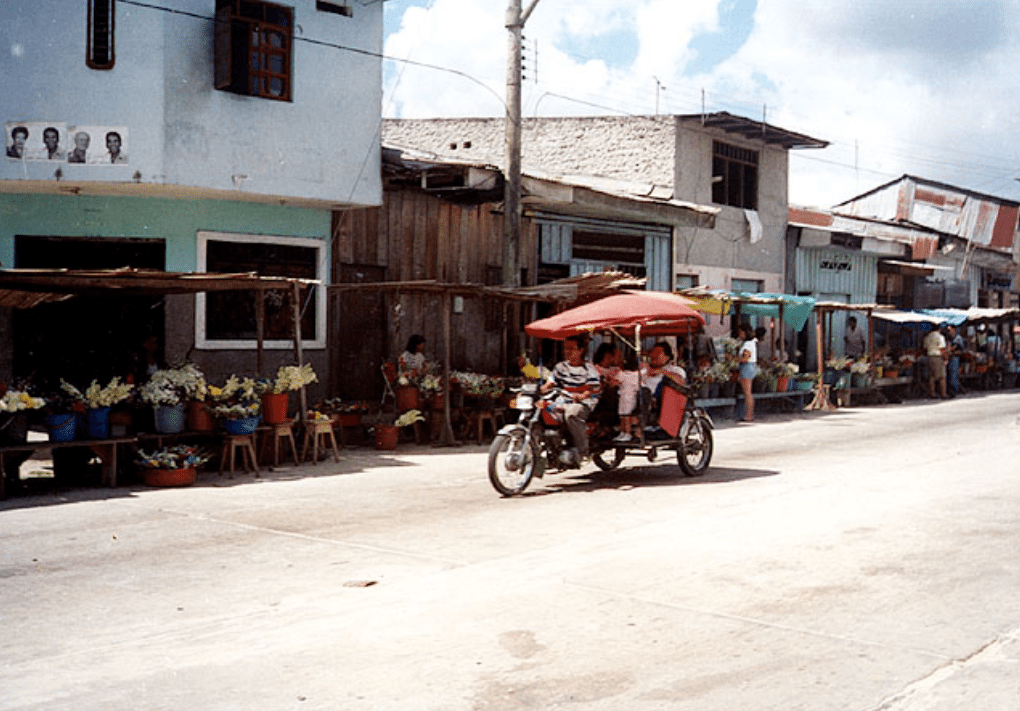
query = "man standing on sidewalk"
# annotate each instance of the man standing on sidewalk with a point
(953, 366)
(935, 348)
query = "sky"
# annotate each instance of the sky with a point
(896, 87)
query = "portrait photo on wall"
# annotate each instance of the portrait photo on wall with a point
(37, 140)
(98, 145)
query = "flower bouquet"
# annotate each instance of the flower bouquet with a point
(859, 367)
(96, 396)
(174, 386)
(275, 394)
(237, 404)
(14, 405)
(478, 385)
(293, 377)
(98, 400)
(168, 390)
(18, 401)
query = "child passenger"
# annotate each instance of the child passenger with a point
(627, 407)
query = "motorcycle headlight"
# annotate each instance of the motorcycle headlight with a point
(523, 402)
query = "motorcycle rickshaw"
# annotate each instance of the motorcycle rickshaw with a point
(535, 445)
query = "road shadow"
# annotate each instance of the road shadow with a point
(644, 476)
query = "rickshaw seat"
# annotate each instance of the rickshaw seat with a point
(671, 412)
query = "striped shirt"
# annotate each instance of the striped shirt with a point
(575, 378)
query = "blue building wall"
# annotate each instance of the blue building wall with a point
(179, 130)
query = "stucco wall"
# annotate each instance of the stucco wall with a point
(728, 246)
(638, 149)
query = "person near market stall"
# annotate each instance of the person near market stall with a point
(935, 351)
(854, 342)
(413, 357)
(748, 368)
(955, 349)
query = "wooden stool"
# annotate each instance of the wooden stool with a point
(477, 419)
(247, 445)
(314, 430)
(280, 433)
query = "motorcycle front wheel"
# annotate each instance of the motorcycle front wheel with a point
(695, 452)
(512, 463)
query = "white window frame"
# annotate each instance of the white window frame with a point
(322, 264)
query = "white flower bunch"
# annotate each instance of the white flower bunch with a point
(192, 380)
(237, 389)
(96, 396)
(172, 386)
(292, 377)
(18, 400)
(859, 367)
(409, 418)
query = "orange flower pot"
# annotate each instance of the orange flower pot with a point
(170, 477)
(408, 398)
(274, 408)
(199, 417)
(386, 436)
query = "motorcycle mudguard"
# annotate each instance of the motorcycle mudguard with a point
(511, 428)
(673, 405)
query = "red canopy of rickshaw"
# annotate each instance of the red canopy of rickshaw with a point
(658, 313)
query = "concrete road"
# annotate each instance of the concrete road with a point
(860, 560)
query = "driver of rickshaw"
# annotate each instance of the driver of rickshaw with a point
(581, 381)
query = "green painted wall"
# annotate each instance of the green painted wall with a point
(176, 221)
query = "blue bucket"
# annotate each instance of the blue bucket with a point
(99, 422)
(243, 426)
(168, 419)
(61, 427)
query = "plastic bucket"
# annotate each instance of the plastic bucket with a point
(99, 422)
(274, 407)
(61, 427)
(243, 426)
(168, 419)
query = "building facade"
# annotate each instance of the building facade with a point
(186, 136)
(737, 166)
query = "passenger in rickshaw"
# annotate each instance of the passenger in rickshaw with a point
(658, 367)
(607, 362)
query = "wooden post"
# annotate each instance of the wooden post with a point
(869, 346)
(446, 438)
(260, 326)
(298, 352)
(821, 398)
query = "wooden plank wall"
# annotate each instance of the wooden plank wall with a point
(415, 236)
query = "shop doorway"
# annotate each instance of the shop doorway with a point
(88, 336)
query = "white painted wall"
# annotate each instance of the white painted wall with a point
(322, 146)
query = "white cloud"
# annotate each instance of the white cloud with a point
(907, 87)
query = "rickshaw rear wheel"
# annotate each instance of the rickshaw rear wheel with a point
(511, 463)
(608, 465)
(695, 453)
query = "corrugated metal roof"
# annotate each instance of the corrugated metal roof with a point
(985, 220)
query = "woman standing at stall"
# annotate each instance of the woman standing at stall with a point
(748, 368)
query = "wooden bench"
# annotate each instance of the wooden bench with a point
(105, 449)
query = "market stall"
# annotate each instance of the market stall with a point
(27, 288)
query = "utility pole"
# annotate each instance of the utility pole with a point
(515, 19)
